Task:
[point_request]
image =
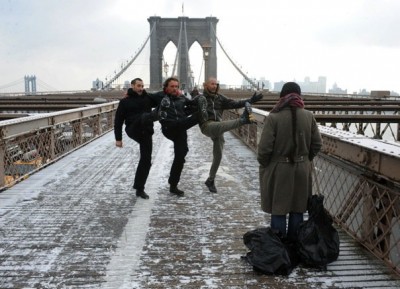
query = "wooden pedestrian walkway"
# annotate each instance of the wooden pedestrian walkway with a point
(78, 224)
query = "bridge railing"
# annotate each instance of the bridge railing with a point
(360, 181)
(28, 144)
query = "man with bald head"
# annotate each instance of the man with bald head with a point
(210, 108)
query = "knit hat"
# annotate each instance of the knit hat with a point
(290, 87)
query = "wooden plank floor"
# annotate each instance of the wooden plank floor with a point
(77, 224)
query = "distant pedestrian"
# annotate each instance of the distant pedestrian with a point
(210, 108)
(195, 92)
(135, 110)
(289, 141)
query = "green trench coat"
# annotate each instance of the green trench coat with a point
(285, 186)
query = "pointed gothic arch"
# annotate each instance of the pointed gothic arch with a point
(165, 30)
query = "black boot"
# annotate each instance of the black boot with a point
(211, 185)
(142, 194)
(164, 105)
(174, 190)
(247, 117)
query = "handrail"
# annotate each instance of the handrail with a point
(30, 143)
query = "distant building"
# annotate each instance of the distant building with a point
(366, 92)
(97, 84)
(337, 90)
(307, 85)
(263, 84)
(127, 84)
(278, 85)
(314, 86)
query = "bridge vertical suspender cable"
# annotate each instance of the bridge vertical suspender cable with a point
(108, 83)
(237, 68)
(188, 67)
(178, 50)
(182, 38)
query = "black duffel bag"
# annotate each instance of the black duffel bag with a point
(268, 253)
(318, 241)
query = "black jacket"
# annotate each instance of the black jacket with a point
(130, 110)
(180, 106)
(217, 103)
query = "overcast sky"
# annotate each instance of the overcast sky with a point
(69, 43)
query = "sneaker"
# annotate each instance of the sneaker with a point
(174, 190)
(211, 185)
(142, 194)
(202, 109)
(164, 105)
(247, 116)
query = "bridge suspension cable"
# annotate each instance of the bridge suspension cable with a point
(45, 85)
(22, 85)
(128, 64)
(13, 83)
(253, 84)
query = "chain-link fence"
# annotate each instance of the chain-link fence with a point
(29, 143)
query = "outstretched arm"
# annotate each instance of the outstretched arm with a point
(228, 103)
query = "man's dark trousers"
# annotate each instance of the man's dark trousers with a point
(145, 141)
(176, 132)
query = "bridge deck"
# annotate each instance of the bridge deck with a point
(77, 224)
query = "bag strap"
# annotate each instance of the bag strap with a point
(315, 178)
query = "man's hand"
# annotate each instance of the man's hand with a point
(256, 97)
(118, 143)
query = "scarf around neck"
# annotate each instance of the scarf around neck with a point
(291, 99)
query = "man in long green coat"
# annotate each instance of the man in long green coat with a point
(289, 141)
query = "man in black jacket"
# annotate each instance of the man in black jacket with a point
(174, 126)
(136, 111)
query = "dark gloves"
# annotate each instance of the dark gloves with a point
(256, 97)
(146, 119)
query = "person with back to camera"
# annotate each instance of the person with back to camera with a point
(289, 141)
(210, 108)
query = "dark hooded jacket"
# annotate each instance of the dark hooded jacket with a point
(130, 111)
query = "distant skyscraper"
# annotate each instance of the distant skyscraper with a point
(337, 90)
(307, 85)
(97, 84)
(313, 86)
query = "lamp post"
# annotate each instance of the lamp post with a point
(206, 54)
(191, 79)
(166, 68)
